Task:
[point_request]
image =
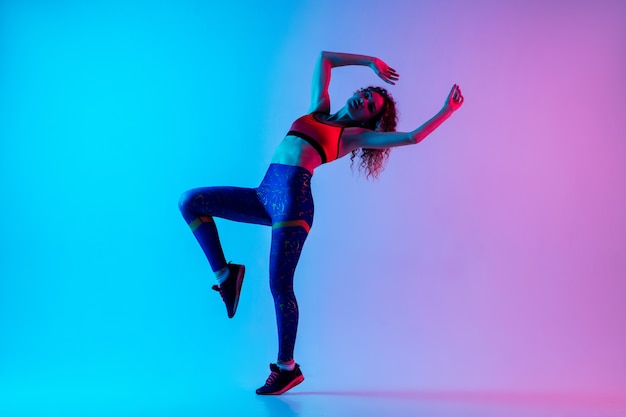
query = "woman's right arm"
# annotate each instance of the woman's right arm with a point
(320, 100)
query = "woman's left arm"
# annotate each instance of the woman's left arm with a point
(354, 138)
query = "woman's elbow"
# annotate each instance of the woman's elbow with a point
(415, 138)
(411, 139)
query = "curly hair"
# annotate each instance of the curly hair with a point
(372, 161)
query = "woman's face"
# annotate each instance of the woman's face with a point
(365, 105)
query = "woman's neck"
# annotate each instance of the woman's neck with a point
(342, 117)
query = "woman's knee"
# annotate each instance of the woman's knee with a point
(186, 201)
(281, 286)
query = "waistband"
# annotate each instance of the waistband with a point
(289, 170)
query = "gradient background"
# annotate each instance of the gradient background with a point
(488, 258)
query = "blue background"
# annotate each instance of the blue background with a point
(489, 257)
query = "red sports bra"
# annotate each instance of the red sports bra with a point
(322, 136)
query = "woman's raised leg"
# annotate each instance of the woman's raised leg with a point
(198, 207)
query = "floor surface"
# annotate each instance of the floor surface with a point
(179, 398)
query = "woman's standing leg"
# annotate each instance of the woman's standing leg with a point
(287, 243)
(286, 194)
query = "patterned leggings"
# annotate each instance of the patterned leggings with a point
(283, 201)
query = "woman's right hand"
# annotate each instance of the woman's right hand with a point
(384, 71)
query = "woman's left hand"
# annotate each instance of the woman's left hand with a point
(384, 71)
(455, 99)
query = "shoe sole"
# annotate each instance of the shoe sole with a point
(238, 285)
(297, 381)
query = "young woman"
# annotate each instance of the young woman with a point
(364, 127)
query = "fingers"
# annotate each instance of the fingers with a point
(393, 73)
(385, 72)
(390, 80)
(456, 94)
(455, 98)
(389, 75)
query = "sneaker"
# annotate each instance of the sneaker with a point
(230, 289)
(280, 381)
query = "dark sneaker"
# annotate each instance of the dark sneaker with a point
(230, 289)
(280, 381)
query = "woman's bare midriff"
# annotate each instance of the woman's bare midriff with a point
(296, 152)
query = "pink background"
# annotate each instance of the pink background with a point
(490, 257)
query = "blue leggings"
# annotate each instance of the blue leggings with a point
(283, 201)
